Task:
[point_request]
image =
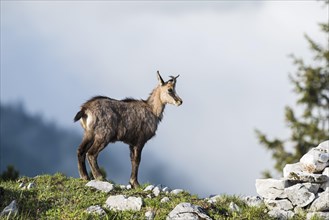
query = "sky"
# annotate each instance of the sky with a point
(232, 57)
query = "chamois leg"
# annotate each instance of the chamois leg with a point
(86, 143)
(135, 157)
(92, 155)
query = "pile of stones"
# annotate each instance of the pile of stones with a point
(304, 187)
(124, 203)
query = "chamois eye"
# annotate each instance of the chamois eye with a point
(170, 90)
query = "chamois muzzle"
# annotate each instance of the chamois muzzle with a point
(178, 101)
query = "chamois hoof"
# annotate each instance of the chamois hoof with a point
(100, 178)
(134, 185)
(84, 177)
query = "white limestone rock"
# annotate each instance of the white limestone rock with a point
(213, 199)
(95, 209)
(156, 191)
(312, 187)
(149, 188)
(299, 195)
(122, 203)
(10, 210)
(31, 185)
(122, 187)
(321, 203)
(293, 168)
(176, 191)
(164, 200)
(100, 185)
(271, 188)
(326, 171)
(254, 201)
(281, 214)
(321, 215)
(234, 207)
(325, 185)
(188, 211)
(315, 160)
(307, 177)
(324, 146)
(282, 204)
(149, 215)
(166, 189)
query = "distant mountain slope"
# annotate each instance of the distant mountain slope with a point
(35, 147)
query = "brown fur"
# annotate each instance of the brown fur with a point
(131, 121)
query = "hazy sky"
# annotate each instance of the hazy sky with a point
(232, 58)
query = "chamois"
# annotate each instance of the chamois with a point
(131, 121)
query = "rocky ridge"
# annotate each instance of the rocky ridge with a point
(304, 187)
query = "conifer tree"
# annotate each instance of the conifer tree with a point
(309, 121)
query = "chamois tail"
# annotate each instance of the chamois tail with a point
(79, 115)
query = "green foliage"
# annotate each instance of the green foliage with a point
(10, 174)
(311, 126)
(60, 197)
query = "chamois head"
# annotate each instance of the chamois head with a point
(168, 92)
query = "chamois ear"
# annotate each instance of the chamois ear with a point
(160, 80)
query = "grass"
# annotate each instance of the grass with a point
(60, 197)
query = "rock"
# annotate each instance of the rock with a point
(213, 199)
(254, 201)
(122, 186)
(271, 188)
(315, 160)
(149, 215)
(166, 189)
(156, 191)
(281, 214)
(326, 171)
(321, 203)
(299, 195)
(101, 185)
(95, 209)
(234, 207)
(312, 187)
(31, 185)
(21, 185)
(149, 188)
(122, 203)
(307, 177)
(324, 146)
(282, 204)
(305, 187)
(292, 168)
(325, 186)
(176, 191)
(185, 211)
(164, 200)
(11, 209)
(321, 215)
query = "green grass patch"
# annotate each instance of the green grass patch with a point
(60, 197)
